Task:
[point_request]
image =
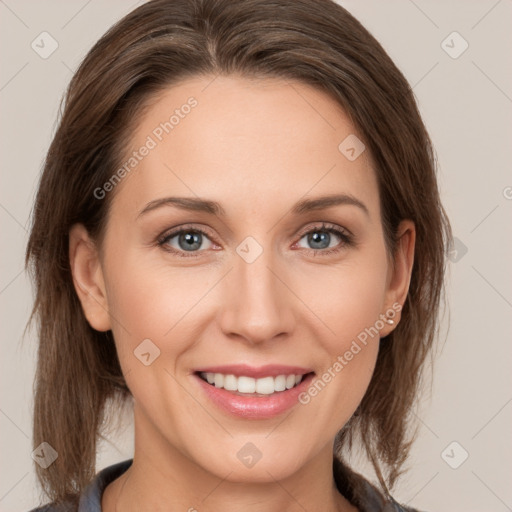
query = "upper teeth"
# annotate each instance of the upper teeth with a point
(242, 384)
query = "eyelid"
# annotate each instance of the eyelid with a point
(185, 227)
(323, 225)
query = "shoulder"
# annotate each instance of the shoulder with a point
(363, 494)
(90, 499)
(393, 506)
(53, 507)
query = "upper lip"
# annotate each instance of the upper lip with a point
(269, 370)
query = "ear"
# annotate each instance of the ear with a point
(399, 276)
(88, 278)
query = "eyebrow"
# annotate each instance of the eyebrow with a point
(214, 208)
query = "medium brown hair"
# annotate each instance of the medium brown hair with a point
(78, 377)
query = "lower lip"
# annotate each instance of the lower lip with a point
(261, 407)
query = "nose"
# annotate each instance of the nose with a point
(257, 306)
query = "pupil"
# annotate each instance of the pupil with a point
(191, 239)
(319, 237)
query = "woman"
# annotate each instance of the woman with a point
(238, 230)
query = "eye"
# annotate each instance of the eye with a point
(188, 240)
(320, 238)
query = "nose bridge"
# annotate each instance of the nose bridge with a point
(257, 304)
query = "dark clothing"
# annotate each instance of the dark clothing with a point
(356, 489)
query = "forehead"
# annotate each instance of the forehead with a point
(246, 142)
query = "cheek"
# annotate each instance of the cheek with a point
(149, 299)
(348, 298)
(153, 327)
(150, 302)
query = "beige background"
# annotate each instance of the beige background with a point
(467, 105)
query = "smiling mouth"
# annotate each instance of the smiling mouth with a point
(248, 386)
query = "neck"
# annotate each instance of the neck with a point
(162, 478)
(131, 492)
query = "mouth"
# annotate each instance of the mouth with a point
(251, 392)
(245, 385)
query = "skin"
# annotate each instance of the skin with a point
(257, 147)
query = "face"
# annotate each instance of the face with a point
(263, 284)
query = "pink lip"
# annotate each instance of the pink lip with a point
(269, 370)
(257, 407)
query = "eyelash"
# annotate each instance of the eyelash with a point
(347, 240)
